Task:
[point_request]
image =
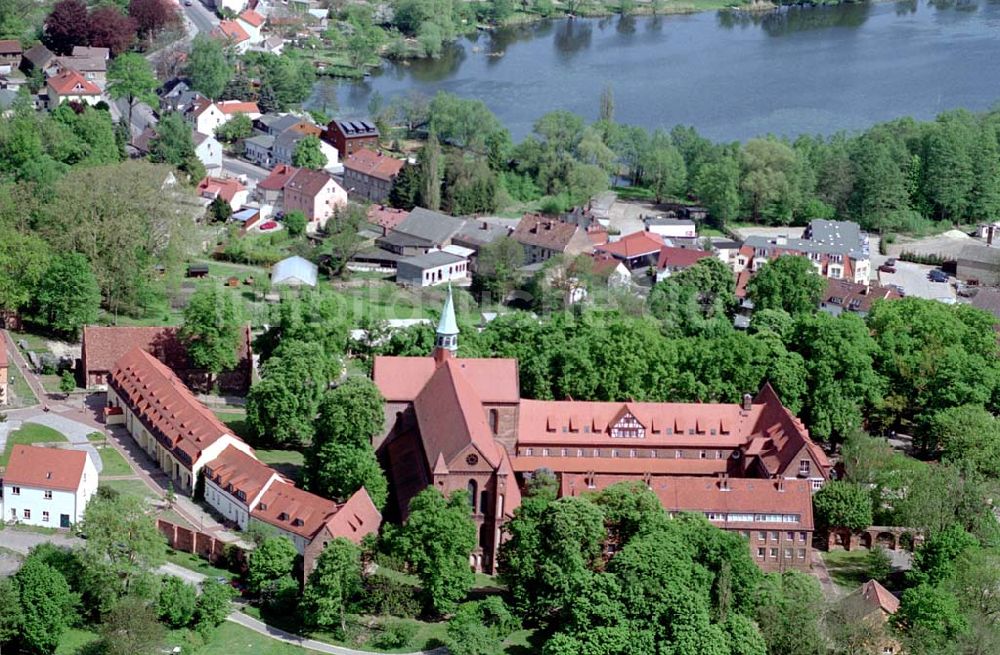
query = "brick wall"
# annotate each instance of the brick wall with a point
(202, 544)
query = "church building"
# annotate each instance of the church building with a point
(460, 423)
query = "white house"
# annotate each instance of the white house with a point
(235, 6)
(251, 22)
(235, 482)
(435, 267)
(205, 116)
(48, 487)
(71, 85)
(677, 228)
(208, 150)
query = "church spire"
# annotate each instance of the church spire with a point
(446, 340)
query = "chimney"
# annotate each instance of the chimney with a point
(724, 482)
(781, 485)
(747, 402)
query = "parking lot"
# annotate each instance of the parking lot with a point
(913, 279)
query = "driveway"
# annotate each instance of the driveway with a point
(913, 278)
(74, 431)
(22, 541)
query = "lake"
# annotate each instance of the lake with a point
(809, 70)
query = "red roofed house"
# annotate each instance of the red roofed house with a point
(673, 260)
(10, 55)
(637, 250)
(251, 22)
(206, 116)
(460, 423)
(187, 440)
(387, 218)
(102, 347)
(233, 33)
(49, 487)
(544, 237)
(370, 175)
(71, 86)
(230, 190)
(316, 194)
(873, 605)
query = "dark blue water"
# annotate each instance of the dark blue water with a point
(791, 72)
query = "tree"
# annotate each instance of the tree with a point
(208, 67)
(496, 267)
(11, 616)
(238, 127)
(470, 186)
(66, 26)
(690, 299)
(930, 613)
(152, 16)
(842, 504)
(342, 242)
(25, 258)
(436, 540)
(295, 222)
(67, 383)
(273, 559)
(132, 628)
(606, 114)
(109, 28)
(48, 606)
(717, 186)
(664, 169)
(480, 627)
(969, 434)
(789, 283)
(431, 174)
(122, 537)
(68, 296)
(173, 144)
(878, 563)
(283, 405)
(406, 188)
(520, 553)
(219, 210)
(213, 605)
(212, 329)
(177, 602)
(309, 154)
(934, 561)
(131, 77)
(788, 610)
(341, 459)
(332, 585)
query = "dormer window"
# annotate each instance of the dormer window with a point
(283, 516)
(297, 522)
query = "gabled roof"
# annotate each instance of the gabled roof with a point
(387, 217)
(354, 129)
(91, 51)
(278, 178)
(679, 258)
(39, 55)
(47, 468)
(450, 415)
(10, 47)
(218, 187)
(237, 107)
(432, 226)
(854, 296)
(231, 31)
(252, 17)
(374, 164)
(236, 471)
(879, 597)
(69, 82)
(166, 406)
(400, 379)
(545, 232)
(636, 244)
(309, 182)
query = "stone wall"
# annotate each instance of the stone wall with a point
(202, 544)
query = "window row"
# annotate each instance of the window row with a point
(26, 515)
(773, 553)
(744, 517)
(621, 452)
(16, 491)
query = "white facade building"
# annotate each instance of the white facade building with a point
(47, 487)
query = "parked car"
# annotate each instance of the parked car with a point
(937, 275)
(899, 289)
(889, 266)
(188, 3)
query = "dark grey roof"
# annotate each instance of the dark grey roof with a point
(481, 233)
(430, 225)
(261, 140)
(725, 244)
(39, 55)
(988, 299)
(277, 124)
(821, 237)
(357, 128)
(980, 254)
(432, 259)
(401, 240)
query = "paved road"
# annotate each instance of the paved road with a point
(74, 431)
(201, 18)
(22, 541)
(237, 167)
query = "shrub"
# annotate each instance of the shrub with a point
(395, 633)
(385, 596)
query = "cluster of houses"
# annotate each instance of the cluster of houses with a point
(78, 77)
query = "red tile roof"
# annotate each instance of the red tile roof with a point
(237, 107)
(374, 164)
(636, 244)
(225, 188)
(69, 82)
(309, 182)
(232, 31)
(604, 263)
(287, 507)
(545, 232)
(626, 466)
(400, 379)
(879, 596)
(278, 178)
(387, 217)
(856, 297)
(10, 47)
(450, 415)
(235, 471)
(252, 17)
(680, 258)
(103, 346)
(355, 518)
(48, 468)
(165, 406)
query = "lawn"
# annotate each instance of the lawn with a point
(74, 640)
(286, 462)
(22, 394)
(114, 463)
(135, 488)
(235, 420)
(848, 568)
(30, 433)
(227, 639)
(35, 342)
(195, 563)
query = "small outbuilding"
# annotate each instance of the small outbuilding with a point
(294, 272)
(435, 267)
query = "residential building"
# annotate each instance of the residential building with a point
(10, 55)
(671, 227)
(316, 194)
(206, 116)
(4, 371)
(837, 249)
(259, 150)
(235, 6)
(294, 271)
(92, 63)
(47, 487)
(460, 423)
(70, 86)
(873, 605)
(165, 418)
(271, 190)
(252, 23)
(103, 346)
(387, 218)
(230, 190)
(420, 232)
(475, 234)
(233, 34)
(672, 260)
(349, 136)
(37, 56)
(842, 296)
(433, 268)
(12, 81)
(235, 482)
(639, 250)
(612, 270)
(987, 299)
(979, 264)
(544, 237)
(208, 150)
(274, 45)
(370, 175)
